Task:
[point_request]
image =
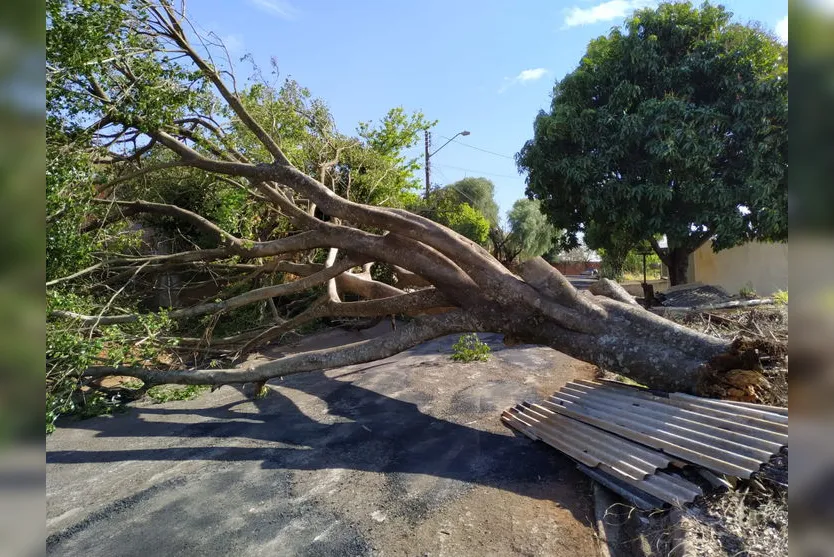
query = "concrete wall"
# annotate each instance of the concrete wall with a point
(635, 288)
(764, 265)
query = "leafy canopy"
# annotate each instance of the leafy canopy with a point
(467, 206)
(530, 229)
(479, 193)
(675, 124)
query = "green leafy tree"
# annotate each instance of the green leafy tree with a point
(469, 222)
(467, 206)
(533, 234)
(675, 125)
(110, 91)
(371, 167)
(444, 207)
(479, 193)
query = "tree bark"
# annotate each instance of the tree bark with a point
(678, 265)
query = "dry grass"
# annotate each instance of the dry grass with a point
(751, 521)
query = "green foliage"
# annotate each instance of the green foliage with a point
(668, 126)
(780, 297)
(444, 207)
(383, 272)
(83, 39)
(96, 114)
(67, 207)
(478, 193)
(533, 233)
(70, 350)
(469, 222)
(469, 348)
(379, 170)
(748, 292)
(370, 168)
(167, 393)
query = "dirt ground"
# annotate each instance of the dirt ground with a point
(405, 456)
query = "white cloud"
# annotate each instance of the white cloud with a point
(280, 8)
(525, 76)
(782, 29)
(531, 75)
(613, 9)
(233, 43)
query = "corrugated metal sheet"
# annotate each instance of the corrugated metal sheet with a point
(634, 435)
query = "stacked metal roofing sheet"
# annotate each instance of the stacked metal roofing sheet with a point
(642, 439)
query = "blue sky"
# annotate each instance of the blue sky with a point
(486, 66)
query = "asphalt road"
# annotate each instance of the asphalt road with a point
(401, 457)
(581, 282)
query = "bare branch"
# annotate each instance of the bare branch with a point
(141, 172)
(551, 283)
(80, 273)
(413, 303)
(176, 33)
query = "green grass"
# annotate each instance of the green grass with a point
(650, 275)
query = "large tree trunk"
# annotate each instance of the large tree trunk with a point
(462, 288)
(678, 263)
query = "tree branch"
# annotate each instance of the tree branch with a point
(408, 336)
(610, 289)
(176, 34)
(661, 253)
(199, 221)
(226, 305)
(549, 282)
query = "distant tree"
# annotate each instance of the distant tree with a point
(479, 193)
(467, 206)
(460, 217)
(675, 125)
(613, 248)
(533, 234)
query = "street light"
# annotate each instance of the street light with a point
(430, 155)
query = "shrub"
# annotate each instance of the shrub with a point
(780, 297)
(748, 292)
(469, 348)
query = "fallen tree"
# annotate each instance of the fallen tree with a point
(460, 287)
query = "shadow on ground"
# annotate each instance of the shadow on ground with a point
(338, 463)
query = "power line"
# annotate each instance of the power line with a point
(452, 186)
(479, 149)
(476, 171)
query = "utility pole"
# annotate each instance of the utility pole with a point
(429, 156)
(428, 167)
